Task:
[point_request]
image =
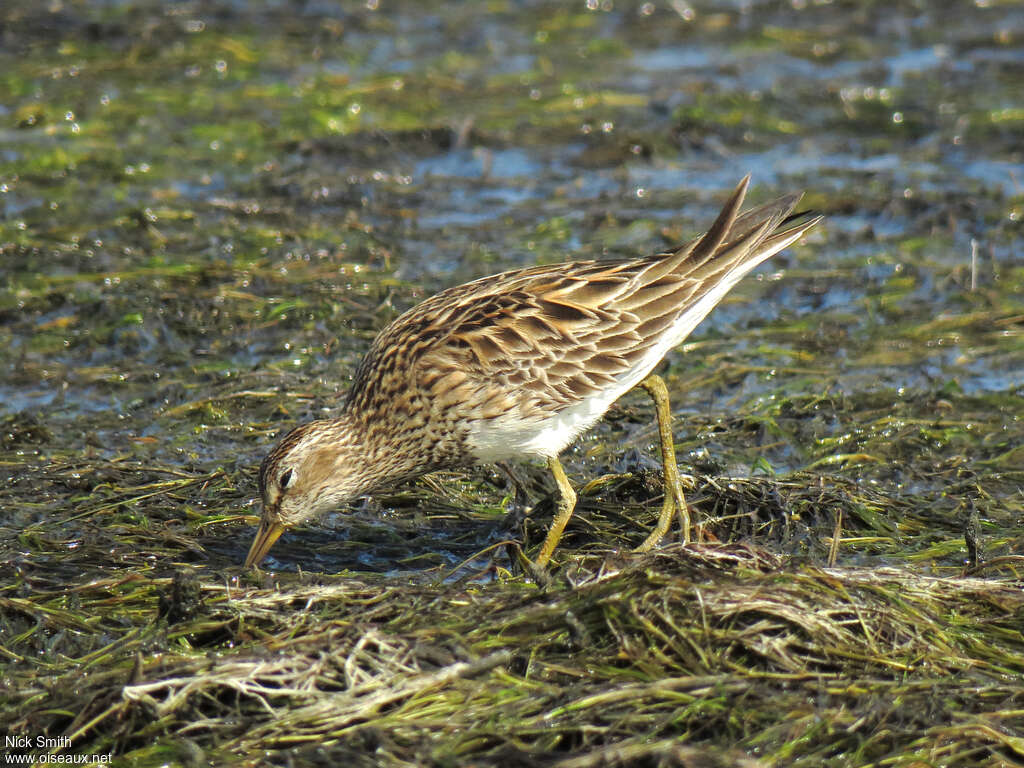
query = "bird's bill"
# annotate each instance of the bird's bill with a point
(268, 533)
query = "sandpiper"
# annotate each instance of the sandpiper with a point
(515, 366)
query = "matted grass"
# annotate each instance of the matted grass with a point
(683, 653)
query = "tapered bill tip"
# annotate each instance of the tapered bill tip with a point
(267, 534)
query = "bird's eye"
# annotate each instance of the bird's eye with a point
(286, 478)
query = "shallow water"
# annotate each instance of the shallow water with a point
(200, 202)
(270, 162)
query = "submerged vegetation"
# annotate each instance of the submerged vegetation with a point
(207, 212)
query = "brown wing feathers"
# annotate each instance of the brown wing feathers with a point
(572, 328)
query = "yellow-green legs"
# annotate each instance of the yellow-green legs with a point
(674, 501)
(564, 506)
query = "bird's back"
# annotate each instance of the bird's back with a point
(523, 361)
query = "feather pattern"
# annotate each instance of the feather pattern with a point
(521, 362)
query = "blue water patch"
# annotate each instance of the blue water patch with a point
(474, 163)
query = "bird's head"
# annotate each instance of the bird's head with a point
(316, 467)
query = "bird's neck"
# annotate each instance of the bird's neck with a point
(371, 441)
